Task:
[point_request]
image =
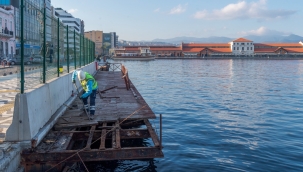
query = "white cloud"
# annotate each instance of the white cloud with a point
(244, 10)
(72, 10)
(157, 10)
(178, 9)
(263, 31)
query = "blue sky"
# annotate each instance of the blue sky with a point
(137, 20)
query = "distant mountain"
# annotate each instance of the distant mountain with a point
(214, 39)
(275, 38)
(178, 40)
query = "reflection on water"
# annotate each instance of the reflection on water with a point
(223, 115)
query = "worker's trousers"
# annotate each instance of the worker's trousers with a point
(92, 98)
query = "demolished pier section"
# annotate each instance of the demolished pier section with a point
(120, 130)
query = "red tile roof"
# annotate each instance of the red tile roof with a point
(194, 50)
(242, 40)
(204, 45)
(264, 50)
(294, 50)
(279, 44)
(165, 48)
(132, 49)
(221, 50)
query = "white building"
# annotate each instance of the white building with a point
(242, 47)
(68, 20)
(7, 31)
(74, 24)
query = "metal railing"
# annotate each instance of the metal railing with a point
(54, 47)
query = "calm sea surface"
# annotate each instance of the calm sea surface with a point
(223, 115)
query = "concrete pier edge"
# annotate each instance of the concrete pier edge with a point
(29, 124)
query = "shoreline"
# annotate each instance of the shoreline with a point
(230, 58)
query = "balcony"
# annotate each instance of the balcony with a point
(4, 32)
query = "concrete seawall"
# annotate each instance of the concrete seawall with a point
(35, 112)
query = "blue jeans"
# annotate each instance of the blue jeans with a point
(92, 102)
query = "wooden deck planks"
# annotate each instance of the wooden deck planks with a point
(114, 103)
(90, 138)
(103, 137)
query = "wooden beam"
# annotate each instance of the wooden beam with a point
(113, 138)
(90, 138)
(152, 133)
(91, 155)
(118, 142)
(103, 136)
(67, 143)
(81, 124)
(124, 134)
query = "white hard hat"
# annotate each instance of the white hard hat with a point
(81, 75)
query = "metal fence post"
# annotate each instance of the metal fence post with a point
(58, 47)
(94, 53)
(86, 52)
(83, 46)
(75, 49)
(44, 42)
(89, 50)
(67, 46)
(22, 48)
(80, 46)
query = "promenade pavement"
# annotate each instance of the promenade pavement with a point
(9, 87)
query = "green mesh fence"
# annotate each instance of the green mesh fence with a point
(50, 48)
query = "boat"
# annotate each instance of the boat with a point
(145, 54)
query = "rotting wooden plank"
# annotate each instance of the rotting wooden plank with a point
(152, 132)
(78, 119)
(82, 124)
(124, 134)
(98, 155)
(90, 138)
(67, 142)
(103, 136)
(114, 138)
(118, 143)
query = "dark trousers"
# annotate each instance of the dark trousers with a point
(92, 102)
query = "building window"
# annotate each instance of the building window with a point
(247, 48)
(250, 48)
(234, 48)
(237, 48)
(242, 48)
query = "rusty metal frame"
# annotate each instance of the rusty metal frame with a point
(114, 66)
(93, 155)
(104, 132)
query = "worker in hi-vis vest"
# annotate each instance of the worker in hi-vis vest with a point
(90, 87)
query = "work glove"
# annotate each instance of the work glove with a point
(82, 97)
(74, 81)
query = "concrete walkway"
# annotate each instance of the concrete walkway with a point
(9, 87)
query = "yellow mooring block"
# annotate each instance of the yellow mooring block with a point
(61, 69)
